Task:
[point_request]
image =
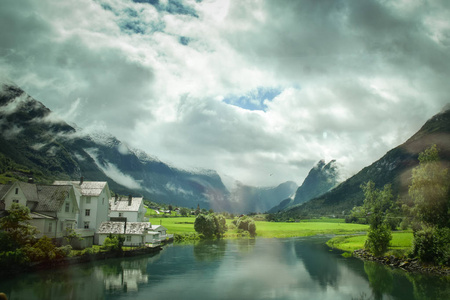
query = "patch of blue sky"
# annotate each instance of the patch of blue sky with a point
(254, 99)
(172, 6)
(184, 40)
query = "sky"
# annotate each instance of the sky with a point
(257, 90)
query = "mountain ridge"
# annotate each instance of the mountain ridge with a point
(33, 136)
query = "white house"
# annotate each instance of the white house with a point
(131, 208)
(53, 209)
(93, 202)
(135, 233)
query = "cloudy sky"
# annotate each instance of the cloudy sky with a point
(258, 90)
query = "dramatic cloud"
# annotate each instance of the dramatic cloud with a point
(258, 90)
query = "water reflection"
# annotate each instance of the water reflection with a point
(302, 268)
(381, 279)
(210, 250)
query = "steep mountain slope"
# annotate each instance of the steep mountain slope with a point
(32, 136)
(321, 178)
(393, 168)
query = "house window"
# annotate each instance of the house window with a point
(103, 201)
(120, 214)
(87, 212)
(15, 201)
(86, 225)
(68, 226)
(67, 207)
(128, 238)
(17, 191)
(50, 227)
(88, 200)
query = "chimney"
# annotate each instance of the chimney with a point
(129, 200)
(115, 198)
(81, 180)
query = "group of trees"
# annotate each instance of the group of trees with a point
(210, 225)
(215, 225)
(427, 211)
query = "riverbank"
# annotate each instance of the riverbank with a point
(396, 256)
(406, 264)
(79, 259)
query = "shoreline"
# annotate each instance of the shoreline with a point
(80, 259)
(411, 265)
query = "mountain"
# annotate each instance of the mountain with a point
(393, 168)
(321, 178)
(33, 138)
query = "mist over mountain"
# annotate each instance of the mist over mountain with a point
(34, 137)
(394, 168)
(321, 178)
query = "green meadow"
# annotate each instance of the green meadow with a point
(400, 241)
(183, 225)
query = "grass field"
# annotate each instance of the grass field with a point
(265, 229)
(400, 241)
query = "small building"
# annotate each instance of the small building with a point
(135, 233)
(131, 208)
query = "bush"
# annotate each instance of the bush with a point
(113, 243)
(378, 240)
(432, 244)
(247, 224)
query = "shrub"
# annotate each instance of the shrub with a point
(432, 244)
(113, 243)
(378, 240)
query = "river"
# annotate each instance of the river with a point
(295, 268)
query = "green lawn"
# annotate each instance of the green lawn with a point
(268, 229)
(283, 230)
(400, 241)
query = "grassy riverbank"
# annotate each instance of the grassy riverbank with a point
(185, 225)
(401, 241)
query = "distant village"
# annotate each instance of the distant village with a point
(84, 208)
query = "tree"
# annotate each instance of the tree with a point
(430, 194)
(221, 225)
(430, 189)
(247, 224)
(184, 211)
(16, 225)
(205, 225)
(210, 225)
(376, 204)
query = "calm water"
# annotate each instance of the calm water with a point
(299, 268)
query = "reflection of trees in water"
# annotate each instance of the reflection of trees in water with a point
(429, 287)
(75, 282)
(210, 250)
(320, 265)
(380, 279)
(245, 245)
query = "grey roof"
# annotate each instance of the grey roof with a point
(4, 188)
(87, 188)
(46, 198)
(29, 190)
(118, 227)
(122, 204)
(51, 197)
(36, 215)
